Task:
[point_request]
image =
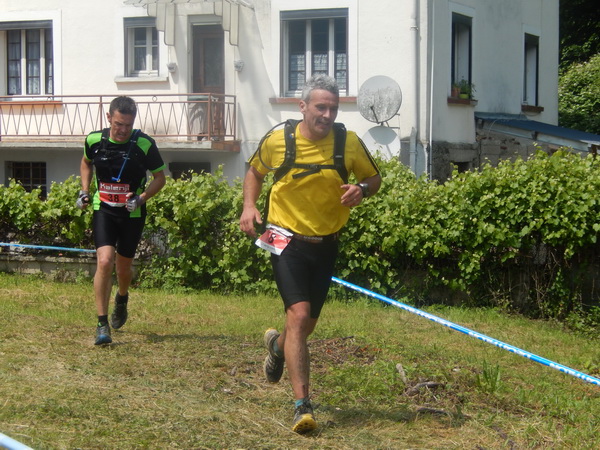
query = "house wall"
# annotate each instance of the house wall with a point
(497, 71)
(408, 41)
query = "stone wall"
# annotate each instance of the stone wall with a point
(490, 147)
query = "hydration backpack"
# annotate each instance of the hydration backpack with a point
(289, 160)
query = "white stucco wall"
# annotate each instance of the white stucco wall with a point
(497, 61)
(408, 41)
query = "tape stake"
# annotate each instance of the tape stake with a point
(11, 444)
(475, 334)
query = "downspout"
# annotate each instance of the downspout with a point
(429, 151)
(415, 129)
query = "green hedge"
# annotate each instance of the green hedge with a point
(522, 235)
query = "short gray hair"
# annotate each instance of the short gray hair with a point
(319, 81)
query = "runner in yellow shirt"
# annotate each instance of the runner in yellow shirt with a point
(308, 207)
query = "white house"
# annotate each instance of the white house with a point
(212, 76)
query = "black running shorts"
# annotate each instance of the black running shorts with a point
(303, 272)
(123, 233)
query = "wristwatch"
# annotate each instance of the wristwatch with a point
(364, 187)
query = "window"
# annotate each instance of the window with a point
(314, 42)
(530, 74)
(29, 57)
(30, 175)
(461, 48)
(141, 43)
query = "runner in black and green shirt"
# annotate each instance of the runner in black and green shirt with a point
(117, 160)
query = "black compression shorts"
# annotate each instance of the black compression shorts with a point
(303, 272)
(123, 233)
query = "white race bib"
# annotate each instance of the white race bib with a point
(275, 239)
(113, 194)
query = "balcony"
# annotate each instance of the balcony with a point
(196, 120)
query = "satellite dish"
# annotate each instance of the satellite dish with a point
(384, 140)
(379, 99)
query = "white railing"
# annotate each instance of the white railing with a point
(195, 116)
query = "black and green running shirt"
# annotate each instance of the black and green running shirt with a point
(121, 168)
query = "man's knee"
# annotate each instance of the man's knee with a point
(124, 266)
(105, 261)
(299, 312)
(298, 319)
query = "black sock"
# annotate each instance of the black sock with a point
(120, 299)
(102, 320)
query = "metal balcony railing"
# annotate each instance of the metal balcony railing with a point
(176, 117)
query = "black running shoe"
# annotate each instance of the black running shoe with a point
(304, 419)
(103, 335)
(119, 315)
(273, 366)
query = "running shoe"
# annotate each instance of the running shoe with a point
(304, 419)
(103, 335)
(273, 366)
(119, 315)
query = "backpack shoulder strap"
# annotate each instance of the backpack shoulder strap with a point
(104, 138)
(339, 150)
(103, 141)
(289, 161)
(289, 131)
(134, 136)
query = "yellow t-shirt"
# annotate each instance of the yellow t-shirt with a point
(311, 205)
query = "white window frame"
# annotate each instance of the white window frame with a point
(531, 52)
(149, 24)
(307, 16)
(462, 48)
(46, 77)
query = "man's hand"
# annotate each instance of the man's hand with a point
(134, 201)
(83, 199)
(353, 195)
(249, 217)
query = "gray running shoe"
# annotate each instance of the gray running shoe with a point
(119, 315)
(304, 419)
(273, 366)
(103, 335)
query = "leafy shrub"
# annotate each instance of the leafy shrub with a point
(522, 235)
(63, 223)
(200, 245)
(579, 96)
(19, 211)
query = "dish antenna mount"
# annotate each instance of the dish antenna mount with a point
(379, 99)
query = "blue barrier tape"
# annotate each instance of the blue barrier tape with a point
(11, 444)
(47, 247)
(475, 334)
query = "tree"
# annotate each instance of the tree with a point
(579, 31)
(579, 96)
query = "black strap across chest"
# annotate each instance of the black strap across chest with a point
(289, 160)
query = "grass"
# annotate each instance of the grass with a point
(186, 373)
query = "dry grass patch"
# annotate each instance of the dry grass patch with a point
(186, 373)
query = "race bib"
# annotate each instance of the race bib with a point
(275, 239)
(113, 194)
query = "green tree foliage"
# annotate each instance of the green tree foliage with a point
(579, 83)
(579, 96)
(579, 31)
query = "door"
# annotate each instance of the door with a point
(208, 78)
(208, 61)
